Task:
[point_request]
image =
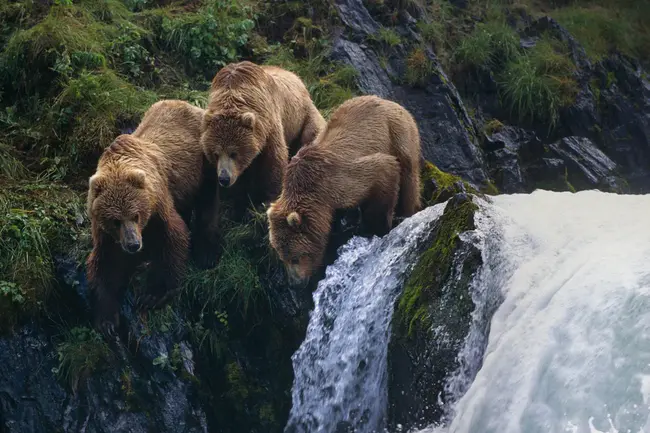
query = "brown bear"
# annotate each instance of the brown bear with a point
(368, 155)
(254, 113)
(140, 202)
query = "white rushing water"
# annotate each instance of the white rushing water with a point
(569, 347)
(340, 368)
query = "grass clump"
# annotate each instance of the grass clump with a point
(387, 38)
(82, 352)
(92, 105)
(235, 280)
(538, 83)
(419, 68)
(489, 44)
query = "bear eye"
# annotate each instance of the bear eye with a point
(233, 155)
(115, 223)
(295, 260)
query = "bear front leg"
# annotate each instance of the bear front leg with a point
(275, 158)
(206, 231)
(379, 205)
(314, 124)
(108, 271)
(169, 254)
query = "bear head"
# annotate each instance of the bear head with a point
(120, 205)
(230, 142)
(299, 236)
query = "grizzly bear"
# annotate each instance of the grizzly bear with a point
(368, 155)
(140, 202)
(255, 113)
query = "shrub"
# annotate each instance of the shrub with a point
(209, 38)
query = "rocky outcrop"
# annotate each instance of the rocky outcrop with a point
(447, 133)
(432, 319)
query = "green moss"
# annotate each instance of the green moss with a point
(238, 389)
(425, 284)
(82, 352)
(492, 126)
(438, 186)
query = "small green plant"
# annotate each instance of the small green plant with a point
(418, 67)
(387, 37)
(489, 44)
(82, 352)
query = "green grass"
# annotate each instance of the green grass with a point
(235, 280)
(536, 84)
(82, 352)
(605, 27)
(387, 37)
(37, 223)
(490, 44)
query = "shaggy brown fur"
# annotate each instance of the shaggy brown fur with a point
(369, 155)
(255, 112)
(140, 201)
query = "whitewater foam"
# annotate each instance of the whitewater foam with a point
(569, 347)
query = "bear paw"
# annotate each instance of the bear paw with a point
(152, 301)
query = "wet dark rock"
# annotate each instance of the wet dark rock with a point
(586, 164)
(427, 336)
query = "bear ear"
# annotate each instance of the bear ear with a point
(248, 119)
(137, 178)
(270, 210)
(293, 219)
(95, 184)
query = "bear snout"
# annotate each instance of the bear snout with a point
(130, 238)
(224, 178)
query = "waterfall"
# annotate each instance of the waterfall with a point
(569, 347)
(340, 368)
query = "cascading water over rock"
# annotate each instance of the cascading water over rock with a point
(340, 368)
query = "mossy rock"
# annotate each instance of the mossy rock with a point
(438, 186)
(432, 318)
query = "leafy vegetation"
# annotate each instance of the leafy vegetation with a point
(82, 352)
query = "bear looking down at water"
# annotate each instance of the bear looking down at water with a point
(368, 155)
